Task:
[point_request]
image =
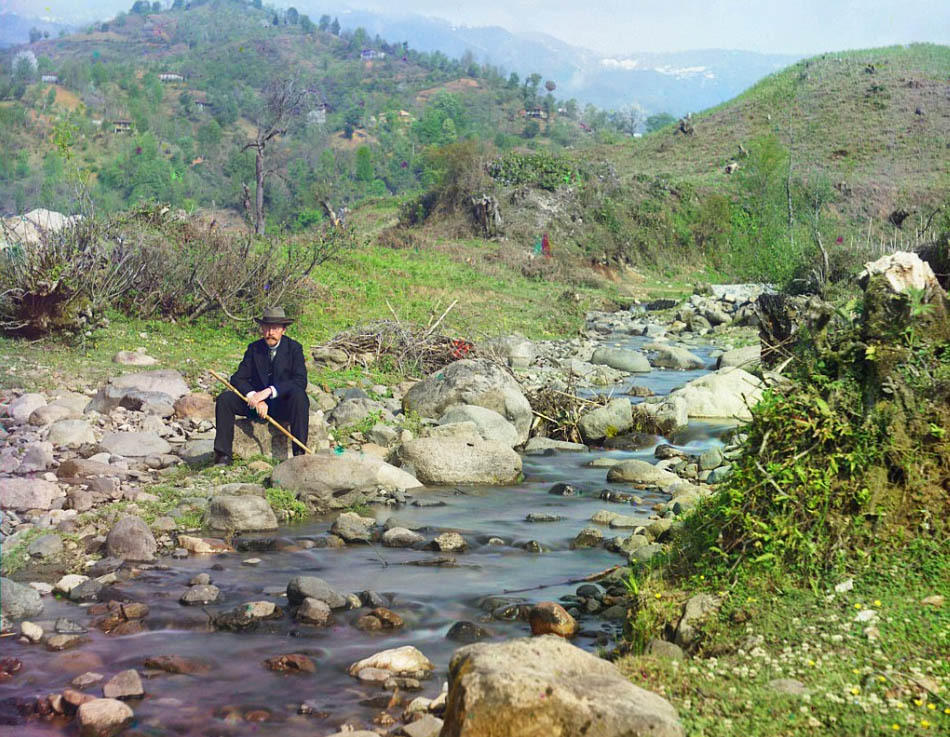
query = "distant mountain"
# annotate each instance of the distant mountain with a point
(15, 29)
(676, 82)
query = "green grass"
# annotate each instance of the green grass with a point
(893, 679)
(354, 289)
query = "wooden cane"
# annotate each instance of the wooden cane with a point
(267, 417)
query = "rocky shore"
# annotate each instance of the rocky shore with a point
(80, 468)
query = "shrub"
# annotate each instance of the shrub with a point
(542, 169)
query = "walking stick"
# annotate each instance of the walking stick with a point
(267, 417)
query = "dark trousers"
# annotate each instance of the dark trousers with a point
(292, 406)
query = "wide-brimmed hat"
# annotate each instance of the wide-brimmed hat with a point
(273, 316)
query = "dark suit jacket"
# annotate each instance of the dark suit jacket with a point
(256, 370)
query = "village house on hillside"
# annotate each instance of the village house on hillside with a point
(535, 112)
(371, 55)
(121, 126)
(49, 78)
(171, 77)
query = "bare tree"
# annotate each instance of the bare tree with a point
(283, 99)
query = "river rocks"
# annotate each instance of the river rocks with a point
(38, 457)
(137, 387)
(490, 424)
(351, 527)
(81, 468)
(665, 416)
(103, 718)
(18, 601)
(614, 418)
(546, 686)
(45, 546)
(728, 393)
(673, 357)
(200, 595)
(194, 406)
(314, 611)
(23, 406)
(539, 446)
(292, 663)
(550, 618)
(303, 587)
(406, 662)
(352, 411)
(697, 608)
(50, 413)
(134, 444)
(197, 452)
(642, 475)
(400, 537)
(477, 382)
(240, 513)
(178, 665)
(134, 358)
(467, 632)
(124, 685)
(67, 583)
(632, 362)
(71, 433)
(328, 480)
(746, 357)
(130, 539)
(664, 650)
(449, 542)
(589, 537)
(23, 494)
(445, 461)
(379, 619)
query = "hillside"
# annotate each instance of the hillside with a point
(160, 105)
(844, 152)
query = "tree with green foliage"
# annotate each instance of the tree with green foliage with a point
(293, 16)
(513, 81)
(35, 34)
(364, 164)
(531, 129)
(141, 7)
(335, 27)
(324, 23)
(659, 120)
(306, 25)
(156, 7)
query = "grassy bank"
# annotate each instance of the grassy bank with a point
(357, 287)
(871, 660)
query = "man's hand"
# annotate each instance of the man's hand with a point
(255, 398)
(261, 409)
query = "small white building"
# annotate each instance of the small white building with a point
(50, 78)
(171, 77)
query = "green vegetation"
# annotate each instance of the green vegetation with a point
(286, 505)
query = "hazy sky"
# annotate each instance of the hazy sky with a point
(623, 26)
(618, 26)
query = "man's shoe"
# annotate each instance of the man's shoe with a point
(222, 459)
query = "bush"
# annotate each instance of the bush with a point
(149, 262)
(542, 169)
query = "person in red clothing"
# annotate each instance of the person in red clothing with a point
(545, 245)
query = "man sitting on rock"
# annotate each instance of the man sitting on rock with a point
(273, 377)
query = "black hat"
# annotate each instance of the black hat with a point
(273, 316)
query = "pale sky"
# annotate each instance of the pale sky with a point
(625, 26)
(621, 26)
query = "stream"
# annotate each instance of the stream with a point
(239, 696)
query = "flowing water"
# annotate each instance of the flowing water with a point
(429, 599)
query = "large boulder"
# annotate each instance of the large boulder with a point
(23, 494)
(18, 601)
(71, 433)
(405, 661)
(134, 444)
(130, 539)
(633, 362)
(546, 686)
(673, 357)
(168, 383)
(902, 271)
(728, 393)
(642, 475)
(613, 419)
(664, 417)
(23, 406)
(241, 513)
(460, 460)
(472, 381)
(329, 480)
(746, 357)
(252, 438)
(301, 588)
(516, 350)
(103, 717)
(353, 411)
(490, 424)
(194, 406)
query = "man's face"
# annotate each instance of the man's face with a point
(272, 333)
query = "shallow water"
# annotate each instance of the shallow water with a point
(430, 600)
